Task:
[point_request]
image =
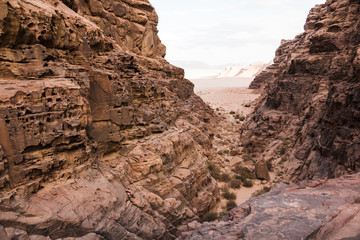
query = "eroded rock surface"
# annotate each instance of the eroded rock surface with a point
(309, 210)
(307, 121)
(100, 137)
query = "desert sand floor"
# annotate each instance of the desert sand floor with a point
(229, 99)
(228, 103)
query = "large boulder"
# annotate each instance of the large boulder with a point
(262, 171)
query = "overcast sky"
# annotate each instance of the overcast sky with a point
(228, 31)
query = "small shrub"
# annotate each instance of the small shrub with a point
(230, 205)
(248, 183)
(283, 159)
(247, 157)
(285, 143)
(232, 112)
(224, 177)
(235, 183)
(242, 171)
(283, 150)
(225, 188)
(217, 109)
(241, 118)
(223, 213)
(269, 166)
(229, 195)
(220, 152)
(226, 152)
(214, 170)
(237, 122)
(209, 217)
(261, 191)
(234, 152)
(241, 177)
(218, 135)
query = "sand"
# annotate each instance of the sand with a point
(220, 83)
(229, 99)
(224, 100)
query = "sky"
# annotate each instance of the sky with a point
(228, 31)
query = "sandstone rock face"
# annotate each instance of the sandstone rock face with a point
(310, 210)
(262, 171)
(100, 137)
(307, 121)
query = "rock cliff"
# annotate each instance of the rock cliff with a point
(100, 137)
(307, 120)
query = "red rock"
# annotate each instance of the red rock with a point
(325, 210)
(262, 171)
(313, 89)
(91, 140)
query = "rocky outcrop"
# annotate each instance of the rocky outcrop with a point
(306, 122)
(310, 210)
(100, 137)
(261, 171)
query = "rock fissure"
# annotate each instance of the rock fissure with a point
(304, 127)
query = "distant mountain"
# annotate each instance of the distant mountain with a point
(197, 69)
(189, 64)
(242, 70)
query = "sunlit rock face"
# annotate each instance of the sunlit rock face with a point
(100, 137)
(307, 120)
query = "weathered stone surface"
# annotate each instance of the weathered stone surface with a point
(310, 210)
(261, 170)
(100, 137)
(306, 122)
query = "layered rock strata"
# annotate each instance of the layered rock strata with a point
(100, 137)
(307, 120)
(309, 210)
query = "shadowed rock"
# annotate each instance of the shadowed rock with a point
(307, 121)
(262, 171)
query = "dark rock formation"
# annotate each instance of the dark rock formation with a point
(100, 137)
(261, 171)
(310, 210)
(307, 121)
